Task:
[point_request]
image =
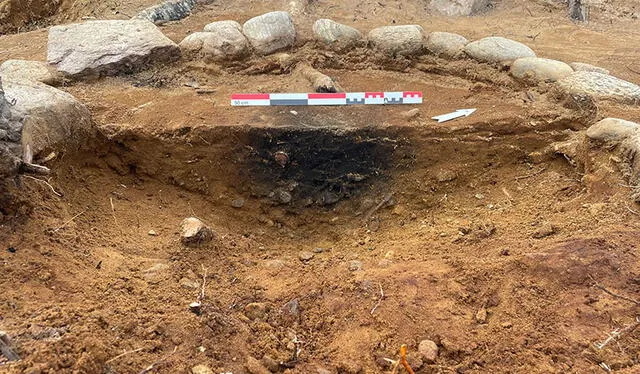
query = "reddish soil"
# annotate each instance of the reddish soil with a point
(476, 214)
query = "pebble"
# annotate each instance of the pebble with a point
(189, 284)
(152, 233)
(612, 129)
(429, 351)
(201, 369)
(413, 113)
(446, 176)
(274, 264)
(255, 311)
(318, 250)
(481, 315)
(497, 49)
(291, 310)
(544, 231)
(194, 231)
(156, 273)
(305, 256)
(506, 325)
(355, 265)
(281, 196)
(238, 203)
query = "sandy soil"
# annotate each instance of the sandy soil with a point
(474, 215)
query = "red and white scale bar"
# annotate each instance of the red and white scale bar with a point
(341, 98)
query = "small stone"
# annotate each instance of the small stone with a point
(429, 351)
(281, 196)
(581, 66)
(223, 41)
(405, 40)
(270, 32)
(536, 69)
(255, 311)
(194, 231)
(355, 265)
(445, 44)
(270, 364)
(156, 273)
(506, 325)
(446, 176)
(612, 129)
(238, 203)
(481, 315)
(201, 369)
(305, 256)
(291, 311)
(195, 307)
(169, 10)
(479, 196)
(544, 231)
(336, 34)
(318, 250)
(25, 70)
(274, 264)
(600, 86)
(152, 233)
(322, 371)
(254, 366)
(413, 113)
(496, 49)
(189, 284)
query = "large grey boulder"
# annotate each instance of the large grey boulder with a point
(405, 40)
(458, 7)
(581, 66)
(612, 130)
(270, 32)
(497, 49)
(171, 10)
(221, 41)
(600, 86)
(445, 44)
(40, 119)
(536, 69)
(336, 34)
(25, 70)
(98, 48)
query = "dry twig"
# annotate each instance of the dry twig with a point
(379, 300)
(204, 282)
(616, 334)
(69, 221)
(45, 182)
(160, 361)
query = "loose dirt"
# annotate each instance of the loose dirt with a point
(448, 220)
